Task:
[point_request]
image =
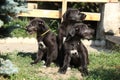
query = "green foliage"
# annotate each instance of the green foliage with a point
(7, 67)
(10, 8)
(16, 28)
(53, 24)
(72, 78)
(1, 23)
(26, 71)
(86, 7)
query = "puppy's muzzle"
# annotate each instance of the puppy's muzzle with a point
(74, 52)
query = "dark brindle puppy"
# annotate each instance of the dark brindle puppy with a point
(70, 17)
(74, 52)
(44, 35)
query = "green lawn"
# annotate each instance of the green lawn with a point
(103, 66)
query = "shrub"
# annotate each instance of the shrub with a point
(16, 28)
(7, 67)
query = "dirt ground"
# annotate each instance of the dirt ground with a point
(51, 72)
(30, 47)
(9, 47)
(54, 75)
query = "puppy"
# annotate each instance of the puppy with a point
(44, 35)
(74, 52)
(70, 17)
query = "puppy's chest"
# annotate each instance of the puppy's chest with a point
(64, 38)
(74, 53)
(74, 49)
(41, 45)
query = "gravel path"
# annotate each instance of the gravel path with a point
(30, 47)
(9, 47)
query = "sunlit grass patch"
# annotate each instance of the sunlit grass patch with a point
(103, 66)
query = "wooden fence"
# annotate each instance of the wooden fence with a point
(35, 12)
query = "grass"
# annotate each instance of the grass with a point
(103, 66)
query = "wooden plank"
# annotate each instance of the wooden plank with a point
(64, 6)
(56, 14)
(41, 13)
(92, 16)
(32, 5)
(99, 1)
(46, 0)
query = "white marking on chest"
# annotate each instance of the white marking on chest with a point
(41, 44)
(64, 38)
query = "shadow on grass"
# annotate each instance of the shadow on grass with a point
(5, 56)
(31, 55)
(104, 74)
(28, 54)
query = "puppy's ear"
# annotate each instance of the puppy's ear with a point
(64, 16)
(72, 32)
(80, 9)
(41, 22)
(83, 16)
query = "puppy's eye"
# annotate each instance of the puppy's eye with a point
(41, 23)
(33, 24)
(76, 29)
(30, 25)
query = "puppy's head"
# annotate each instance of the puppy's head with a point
(73, 15)
(81, 30)
(35, 25)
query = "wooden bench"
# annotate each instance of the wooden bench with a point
(34, 12)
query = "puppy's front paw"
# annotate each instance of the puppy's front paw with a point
(33, 63)
(47, 64)
(44, 66)
(84, 72)
(61, 71)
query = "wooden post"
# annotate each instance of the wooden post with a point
(64, 7)
(112, 18)
(100, 29)
(110, 21)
